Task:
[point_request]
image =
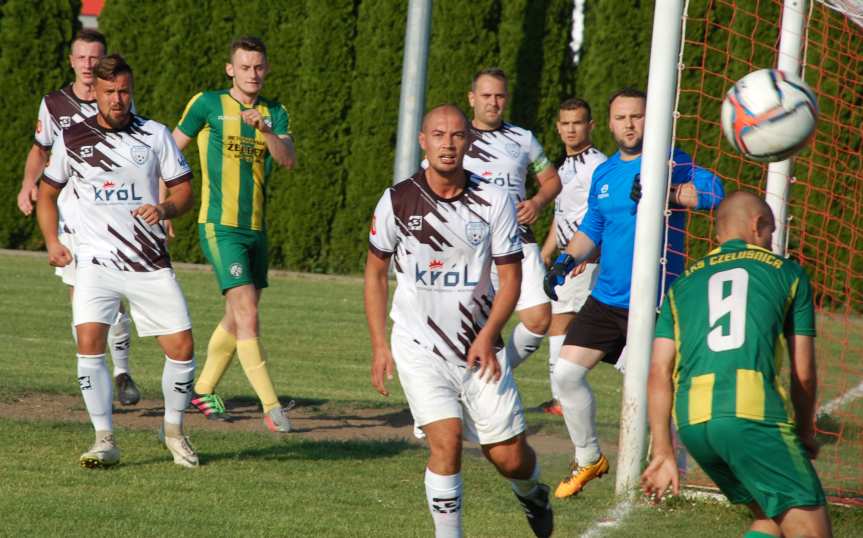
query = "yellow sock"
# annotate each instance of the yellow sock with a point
(220, 351)
(251, 355)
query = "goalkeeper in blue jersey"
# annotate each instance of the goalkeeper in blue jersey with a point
(598, 332)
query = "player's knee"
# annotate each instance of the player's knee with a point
(181, 347)
(569, 376)
(538, 325)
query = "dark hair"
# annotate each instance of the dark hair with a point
(574, 103)
(495, 72)
(89, 35)
(110, 66)
(626, 92)
(251, 43)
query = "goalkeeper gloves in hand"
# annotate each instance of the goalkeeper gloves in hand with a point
(556, 275)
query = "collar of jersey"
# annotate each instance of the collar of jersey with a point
(95, 123)
(242, 105)
(71, 88)
(425, 185)
(737, 244)
(496, 129)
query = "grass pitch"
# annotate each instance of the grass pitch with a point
(255, 484)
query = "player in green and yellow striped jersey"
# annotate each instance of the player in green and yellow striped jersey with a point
(240, 134)
(723, 333)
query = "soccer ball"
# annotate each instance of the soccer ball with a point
(769, 115)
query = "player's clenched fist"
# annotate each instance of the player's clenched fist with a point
(255, 119)
(58, 255)
(382, 369)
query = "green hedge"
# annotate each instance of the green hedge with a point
(34, 58)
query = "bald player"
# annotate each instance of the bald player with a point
(443, 228)
(722, 333)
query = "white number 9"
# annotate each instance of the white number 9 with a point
(734, 304)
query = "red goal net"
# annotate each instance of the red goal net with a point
(724, 40)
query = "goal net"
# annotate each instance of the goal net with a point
(724, 40)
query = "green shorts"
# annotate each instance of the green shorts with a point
(238, 255)
(755, 461)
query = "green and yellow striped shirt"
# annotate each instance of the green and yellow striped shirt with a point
(235, 161)
(728, 315)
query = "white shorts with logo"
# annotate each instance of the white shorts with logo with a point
(67, 274)
(532, 275)
(575, 291)
(156, 302)
(437, 389)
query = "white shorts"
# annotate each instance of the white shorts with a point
(67, 274)
(575, 291)
(437, 389)
(532, 275)
(156, 302)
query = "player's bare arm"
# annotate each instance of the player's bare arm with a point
(375, 296)
(804, 384)
(482, 349)
(180, 138)
(47, 215)
(685, 195)
(582, 248)
(550, 244)
(662, 471)
(36, 161)
(180, 200)
(281, 147)
(550, 186)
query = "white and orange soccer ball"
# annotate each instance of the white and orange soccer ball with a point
(769, 115)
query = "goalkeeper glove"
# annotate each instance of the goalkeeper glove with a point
(556, 275)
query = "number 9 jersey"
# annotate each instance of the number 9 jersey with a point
(729, 315)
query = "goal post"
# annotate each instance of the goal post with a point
(818, 196)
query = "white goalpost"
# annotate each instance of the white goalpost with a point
(662, 91)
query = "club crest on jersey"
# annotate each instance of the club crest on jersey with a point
(415, 223)
(85, 151)
(65, 122)
(139, 154)
(513, 149)
(476, 232)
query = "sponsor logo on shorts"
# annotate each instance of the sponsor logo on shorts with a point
(139, 154)
(236, 270)
(476, 232)
(415, 223)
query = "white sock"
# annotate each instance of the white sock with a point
(444, 501)
(579, 409)
(97, 390)
(119, 341)
(554, 345)
(521, 344)
(526, 488)
(178, 377)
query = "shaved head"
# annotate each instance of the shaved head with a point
(445, 109)
(743, 215)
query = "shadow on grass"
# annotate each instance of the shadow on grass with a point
(315, 451)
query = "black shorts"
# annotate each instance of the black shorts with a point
(599, 326)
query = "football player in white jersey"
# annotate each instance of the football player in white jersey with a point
(58, 111)
(443, 230)
(574, 125)
(503, 154)
(113, 163)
